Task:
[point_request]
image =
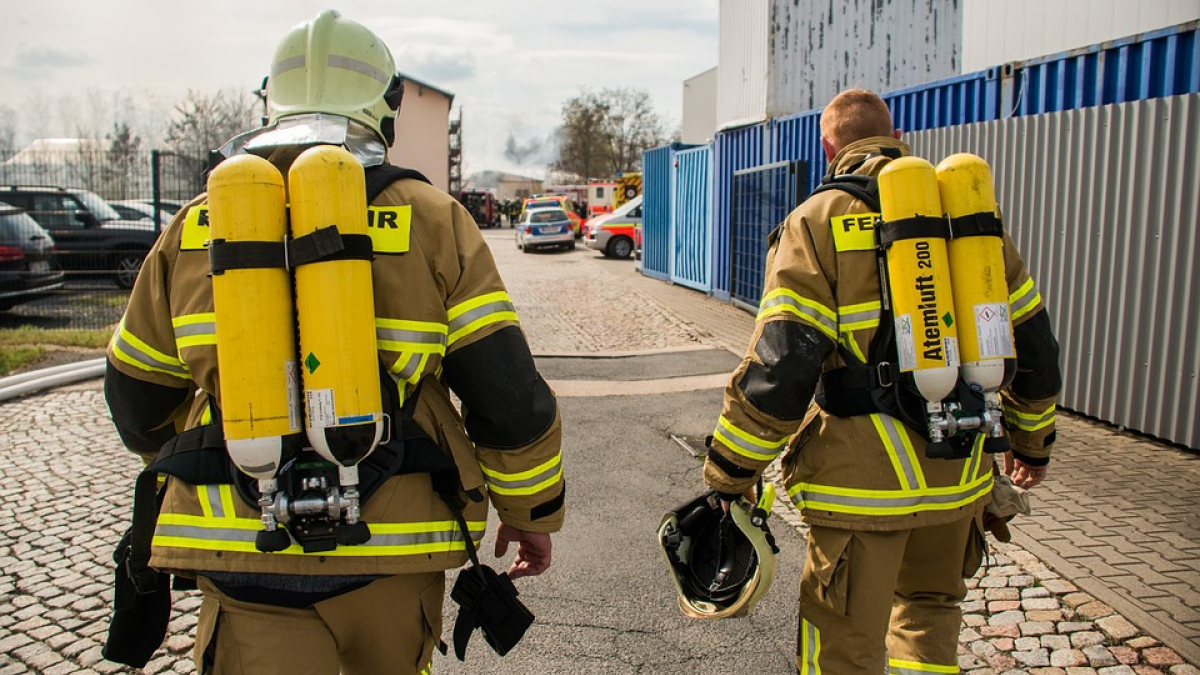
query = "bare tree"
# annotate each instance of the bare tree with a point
(8, 130)
(203, 122)
(606, 133)
(123, 154)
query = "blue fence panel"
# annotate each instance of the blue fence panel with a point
(798, 138)
(762, 198)
(1160, 63)
(735, 149)
(656, 212)
(964, 99)
(691, 219)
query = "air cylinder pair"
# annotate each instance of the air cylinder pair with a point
(287, 336)
(948, 291)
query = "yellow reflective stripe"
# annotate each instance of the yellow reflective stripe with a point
(226, 492)
(418, 337)
(850, 343)
(1030, 421)
(206, 416)
(428, 669)
(467, 317)
(971, 466)
(193, 330)
(387, 539)
(860, 316)
(130, 349)
(525, 482)
(787, 301)
(888, 502)
(205, 503)
(898, 667)
(900, 451)
(745, 443)
(1024, 300)
(810, 649)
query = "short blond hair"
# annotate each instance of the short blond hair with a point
(853, 115)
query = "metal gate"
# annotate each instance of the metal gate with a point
(691, 219)
(762, 198)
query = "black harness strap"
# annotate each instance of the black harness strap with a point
(977, 224)
(917, 227)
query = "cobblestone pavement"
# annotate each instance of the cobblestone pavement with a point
(1102, 579)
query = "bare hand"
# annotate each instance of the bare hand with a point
(1023, 475)
(533, 551)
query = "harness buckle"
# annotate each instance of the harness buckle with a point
(883, 376)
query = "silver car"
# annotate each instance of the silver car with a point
(543, 227)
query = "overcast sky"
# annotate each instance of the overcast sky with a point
(509, 63)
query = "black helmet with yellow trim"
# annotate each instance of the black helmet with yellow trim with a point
(721, 563)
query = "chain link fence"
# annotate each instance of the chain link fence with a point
(102, 206)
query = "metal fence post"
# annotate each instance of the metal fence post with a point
(156, 188)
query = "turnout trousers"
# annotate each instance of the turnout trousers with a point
(388, 626)
(867, 598)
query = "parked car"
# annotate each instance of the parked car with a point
(172, 205)
(28, 269)
(139, 210)
(613, 233)
(91, 237)
(543, 227)
(561, 202)
(482, 206)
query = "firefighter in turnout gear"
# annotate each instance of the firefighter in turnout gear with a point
(330, 595)
(894, 530)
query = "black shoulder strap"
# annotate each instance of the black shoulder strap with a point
(862, 188)
(381, 176)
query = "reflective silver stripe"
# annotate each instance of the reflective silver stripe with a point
(203, 328)
(807, 311)
(1026, 301)
(347, 63)
(410, 367)
(213, 493)
(479, 312)
(811, 495)
(288, 64)
(145, 359)
(415, 336)
(857, 317)
(811, 648)
(525, 482)
(247, 536)
(895, 445)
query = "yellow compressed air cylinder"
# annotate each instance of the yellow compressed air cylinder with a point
(976, 253)
(335, 310)
(253, 315)
(919, 277)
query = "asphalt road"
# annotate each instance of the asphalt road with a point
(607, 604)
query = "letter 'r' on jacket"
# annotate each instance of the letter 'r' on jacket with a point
(822, 305)
(438, 297)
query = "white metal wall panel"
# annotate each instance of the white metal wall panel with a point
(700, 108)
(821, 47)
(742, 54)
(1104, 205)
(1014, 30)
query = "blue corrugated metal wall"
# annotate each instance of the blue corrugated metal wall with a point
(656, 212)
(691, 219)
(735, 149)
(1160, 63)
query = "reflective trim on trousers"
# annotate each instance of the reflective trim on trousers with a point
(898, 667)
(808, 661)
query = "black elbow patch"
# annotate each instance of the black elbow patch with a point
(1038, 375)
(782, 385)
(506, 402)
(139, 409)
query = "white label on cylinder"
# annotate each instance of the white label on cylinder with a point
(905, 345)
(995, 333)
(321, 412)
(951, 345)
(295, 413)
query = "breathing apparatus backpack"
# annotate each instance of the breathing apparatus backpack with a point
(939, 253)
